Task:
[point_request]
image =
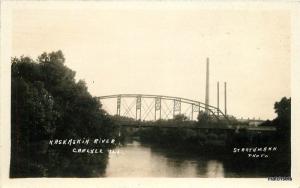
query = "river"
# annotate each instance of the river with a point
(137, 160)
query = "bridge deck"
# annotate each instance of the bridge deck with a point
(230, 127)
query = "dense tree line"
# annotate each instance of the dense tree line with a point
(282, 122)
(48, 103)
(283, 134)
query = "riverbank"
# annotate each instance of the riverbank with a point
(223, 146)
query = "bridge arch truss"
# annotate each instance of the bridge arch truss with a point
(153, 107)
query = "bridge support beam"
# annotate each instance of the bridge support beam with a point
(195, 108)
(192, 114)
(119, 105)
(157, 107)
(199, 109)
(138, 112)
(176, 107)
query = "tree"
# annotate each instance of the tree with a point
(283, 133)
(180, 117)
(283, 110)
(283, 119)
(203, 118)
(47, 102)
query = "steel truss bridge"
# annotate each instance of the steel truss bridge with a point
(143, 107)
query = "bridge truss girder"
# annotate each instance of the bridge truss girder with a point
(148, 105)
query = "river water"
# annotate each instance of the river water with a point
(138, 160)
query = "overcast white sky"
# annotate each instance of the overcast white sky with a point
(163, 51)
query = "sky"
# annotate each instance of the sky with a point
(163, 51)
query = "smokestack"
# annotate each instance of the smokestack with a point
(207, 86)
(225, 98)
(218, 98)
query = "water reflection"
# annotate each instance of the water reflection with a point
(136, 160)
(214, 169)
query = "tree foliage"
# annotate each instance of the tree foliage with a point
(283, 119)
(203, 118)
(283, 110)
(47, 103)
(180, 117)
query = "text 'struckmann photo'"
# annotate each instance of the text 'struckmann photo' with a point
(174, 91)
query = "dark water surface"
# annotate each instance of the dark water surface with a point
(137, 160)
